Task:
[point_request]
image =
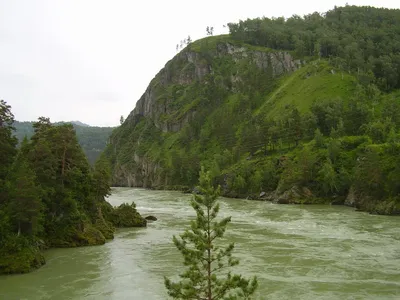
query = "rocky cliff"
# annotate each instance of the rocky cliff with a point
(196, 65)
(207, 71)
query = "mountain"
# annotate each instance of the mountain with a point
(93, 140)
(79, 123)
(303, 110)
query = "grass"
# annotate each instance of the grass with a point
(311, 83)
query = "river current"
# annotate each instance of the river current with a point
(297, 252)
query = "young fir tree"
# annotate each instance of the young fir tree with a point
(207, 276)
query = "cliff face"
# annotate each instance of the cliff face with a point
(197, 80)
(189, 67)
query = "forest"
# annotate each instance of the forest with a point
(363, 40)
(51, 196)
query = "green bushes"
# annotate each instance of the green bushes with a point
(19, 254)
(126, 215)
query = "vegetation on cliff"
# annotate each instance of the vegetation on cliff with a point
(303, 110)
(50, 196)
(364, 40)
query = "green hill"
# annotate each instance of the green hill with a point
(303, 110)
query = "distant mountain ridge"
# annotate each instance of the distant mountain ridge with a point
(79, 123)
(92, 139)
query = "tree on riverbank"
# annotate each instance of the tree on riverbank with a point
(207, 275)
(50, 196)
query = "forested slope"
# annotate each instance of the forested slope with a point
(303, 110)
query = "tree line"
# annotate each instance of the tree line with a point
(92, 139)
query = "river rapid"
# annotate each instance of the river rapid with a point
(297, 252)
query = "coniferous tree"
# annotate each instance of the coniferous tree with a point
(102, 178)
(25, 205)
(7, 146)
(207, 275)
(7, 153)
(319, 138)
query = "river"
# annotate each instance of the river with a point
(297, 252)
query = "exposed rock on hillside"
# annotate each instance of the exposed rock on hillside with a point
(204, 74)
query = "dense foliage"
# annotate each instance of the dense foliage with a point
(208, 275)
(327, 132)
(365, 40)
(92, 139)
(50, 196)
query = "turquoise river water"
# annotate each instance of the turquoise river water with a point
(297, 252)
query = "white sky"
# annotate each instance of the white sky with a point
(91, 60)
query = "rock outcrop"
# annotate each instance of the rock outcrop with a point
(294, 195)
(351, 198)
(151, 218)
(174, 96)
(190, 66)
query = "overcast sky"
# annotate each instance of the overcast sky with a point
(91, 60)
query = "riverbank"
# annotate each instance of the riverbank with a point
(303, 196)
(21, 254)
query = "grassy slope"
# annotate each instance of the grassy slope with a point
(313, 82)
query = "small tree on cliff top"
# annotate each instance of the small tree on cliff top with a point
(207, 276)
